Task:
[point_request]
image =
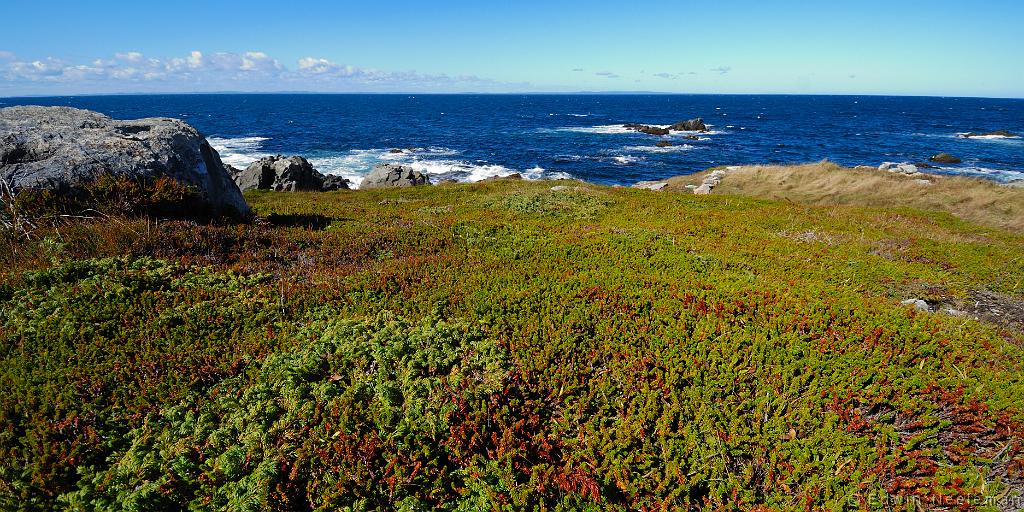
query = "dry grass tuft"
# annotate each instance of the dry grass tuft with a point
(826, 183)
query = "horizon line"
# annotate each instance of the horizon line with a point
(479, 93)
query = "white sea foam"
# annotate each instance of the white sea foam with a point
(656, 149)
(626, 159)
(618, 129)
(606, 129)
(239, 151)
(540, 173)
(999, 175)
(988, 137)
(353, 165)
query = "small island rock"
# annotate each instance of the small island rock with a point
(649, 130)
(945, 158)
(691, 125)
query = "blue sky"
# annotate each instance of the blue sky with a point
(726, 46)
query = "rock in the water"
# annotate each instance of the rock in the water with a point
(393, 176)
(663, 144)
(691, 125)
(918, 304)
(64, 149)
(649, 130)
(945, 158)
(650, 185)
(285, 174)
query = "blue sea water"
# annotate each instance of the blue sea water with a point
(471, 137)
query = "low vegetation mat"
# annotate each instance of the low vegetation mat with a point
(510, 346)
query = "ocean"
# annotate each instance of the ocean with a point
(472, 137)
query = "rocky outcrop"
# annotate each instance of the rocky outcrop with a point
(944, 158)
(712, 180)
(691, 125)
(663, 144)
(286, 174)
(508, 177)
(393, 176)
(650, 185)
(64, 149)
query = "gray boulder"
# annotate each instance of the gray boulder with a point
(334, 182)
(918, 304)
(393, 176)
(904, 168)
(286, 174)
(63, 149)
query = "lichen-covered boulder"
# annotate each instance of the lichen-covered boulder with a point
(393, 176)
(64, 149)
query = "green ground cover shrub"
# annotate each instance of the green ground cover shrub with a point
(606, 350)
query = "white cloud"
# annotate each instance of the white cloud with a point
(5, 55)
(195, 60)
(129, 56)
(316, 66)
(253, 70)
(721, 70)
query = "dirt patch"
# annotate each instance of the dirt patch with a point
(995, 308)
